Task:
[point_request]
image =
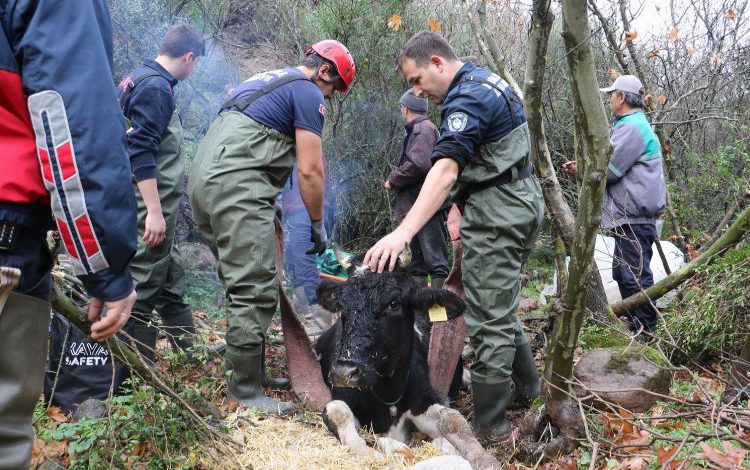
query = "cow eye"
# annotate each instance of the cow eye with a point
(395, 304)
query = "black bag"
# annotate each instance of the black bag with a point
(79, 368)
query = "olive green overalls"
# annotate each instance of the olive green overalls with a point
(239, 169)
(499, 228)
(157, 271)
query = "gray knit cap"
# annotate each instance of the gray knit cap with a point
(413, 102)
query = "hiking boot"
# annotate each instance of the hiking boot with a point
(245, 382)
(490, 403)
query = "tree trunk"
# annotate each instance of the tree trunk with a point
(562, 217)
(561, 409)
(734, 234)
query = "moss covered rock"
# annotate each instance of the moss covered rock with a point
(628, 378)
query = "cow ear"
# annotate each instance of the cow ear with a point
(328, 295)
(440, 304)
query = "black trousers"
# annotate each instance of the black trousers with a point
(429, 248)
(31, 255)
(631, 268)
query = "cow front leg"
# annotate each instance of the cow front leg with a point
(340, 420)
(440, 421)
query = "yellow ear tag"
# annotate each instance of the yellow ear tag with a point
(438, 313)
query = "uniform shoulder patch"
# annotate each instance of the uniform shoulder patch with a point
(457, 121)
(322, 109)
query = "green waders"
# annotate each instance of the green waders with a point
(157, 271)
(499, 229)
(238, 170)
(24, 323)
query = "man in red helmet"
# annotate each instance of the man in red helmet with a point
(239, 168)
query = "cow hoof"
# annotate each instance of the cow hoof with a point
(389, 446)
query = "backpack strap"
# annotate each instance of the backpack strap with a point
(508, 96)
(241, 104)
(127, 87)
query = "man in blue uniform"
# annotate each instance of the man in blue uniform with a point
(154, 141)
(240, 167)
(484, 150)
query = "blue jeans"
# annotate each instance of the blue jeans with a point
(299, 266)
(631, 268)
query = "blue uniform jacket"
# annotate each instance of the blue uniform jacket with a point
(473, 113)
(61, 54)
(149, 107)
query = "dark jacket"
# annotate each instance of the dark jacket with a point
(414, 163)
(149, 107)
(62, 141)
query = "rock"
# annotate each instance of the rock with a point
(527, 305)
(52, 464)
(91, 408)
(198, 256)
(389, 446)
(443, 462)
(444, 446)
(622, 379)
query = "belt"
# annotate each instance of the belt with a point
(510, 175)
(9, 233)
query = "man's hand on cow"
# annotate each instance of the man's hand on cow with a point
(571, 168)
(387, 185)
(318, 237)
(107, 322)
(387, 248)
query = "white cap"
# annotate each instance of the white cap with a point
(628, 83)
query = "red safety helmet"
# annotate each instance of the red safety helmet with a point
(337, 53)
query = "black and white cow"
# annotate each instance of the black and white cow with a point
(374, 359)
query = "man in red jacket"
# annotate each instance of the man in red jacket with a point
(64, 165)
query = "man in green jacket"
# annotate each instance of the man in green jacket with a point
(636, 194)
(240, 167)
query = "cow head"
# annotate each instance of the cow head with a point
(378, 314)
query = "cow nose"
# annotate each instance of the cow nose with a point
(346, 373)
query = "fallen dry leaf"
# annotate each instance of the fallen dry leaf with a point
(662, 454)
(57, 414)
(630, 36)
(732, 14)
(674, 34)
(613, 73)
(433, 24)
(394, 22)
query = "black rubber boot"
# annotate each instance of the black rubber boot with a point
(144, 335)
(180, 330)
(527, 385)
(490, 403)
(245, 383)
(277, 383)
(24, 323)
